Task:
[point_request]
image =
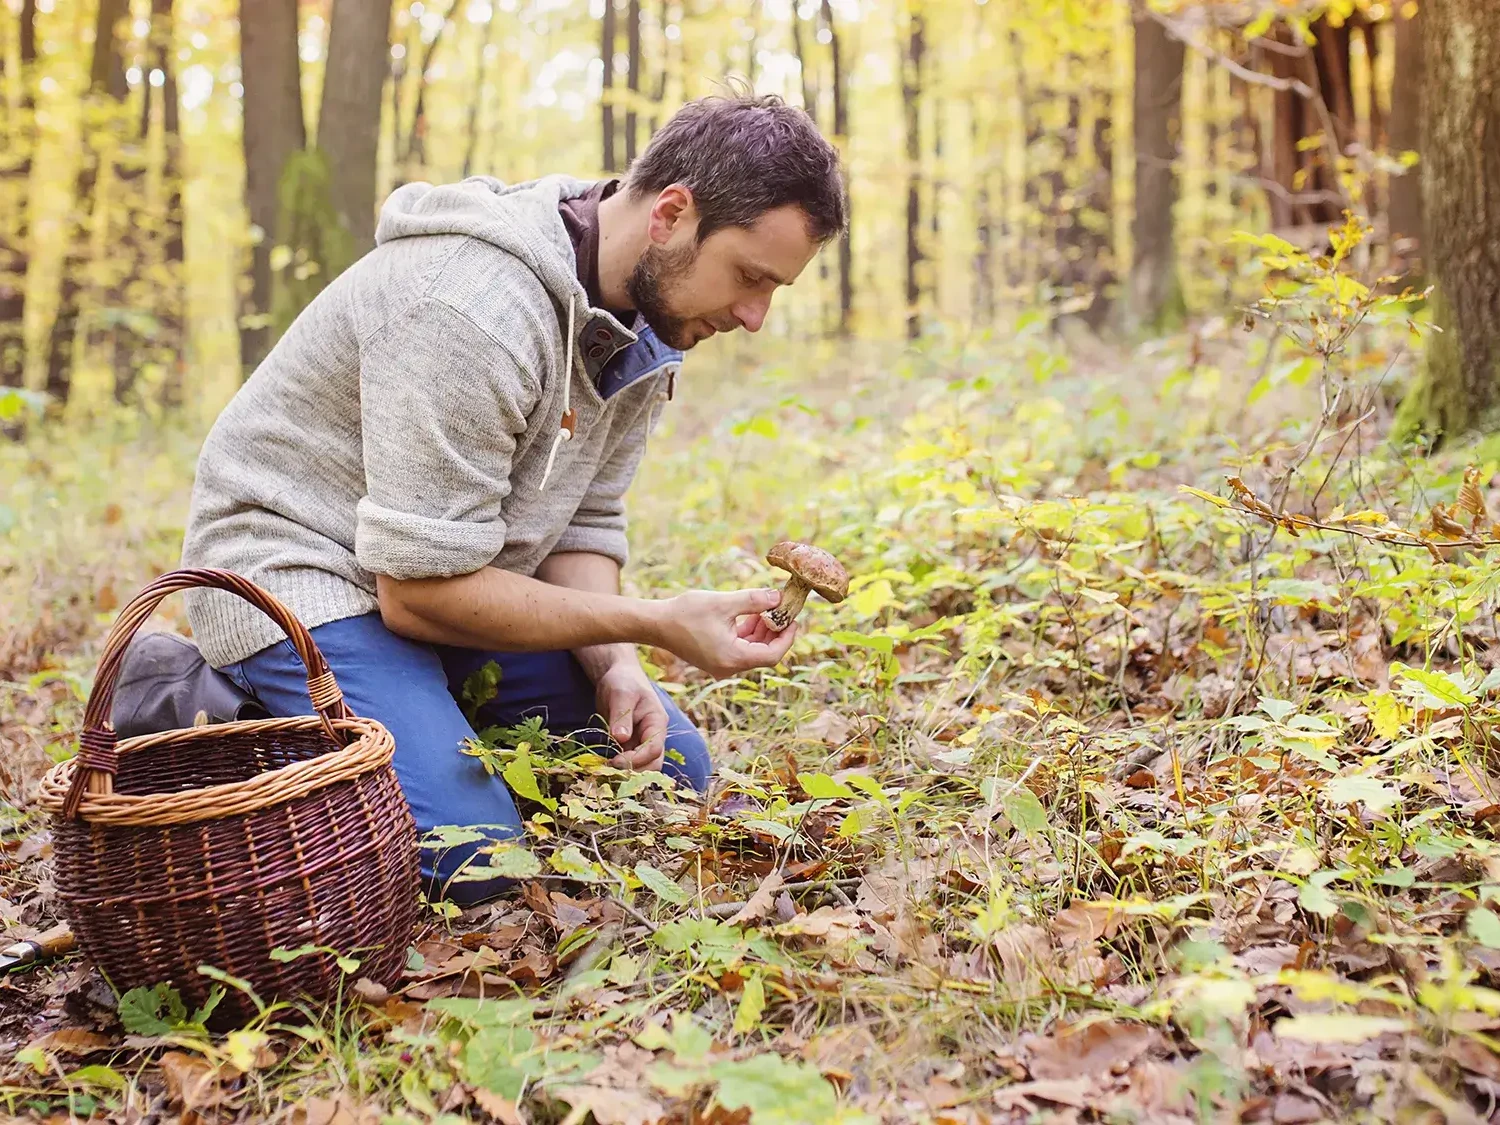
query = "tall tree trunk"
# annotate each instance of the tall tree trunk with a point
(911, 93)
(1407, 93)
(15, 240)
(841, 139)
(349, 117)
(1460, 389)
(984, 256)
(415, 156)
(632, 76)
(804, 68)
(659, 98)
(399, 54)
(606, 102)
(107, 89)
(481, 85)
(1155, 290)
(172, 337)
(274, 129)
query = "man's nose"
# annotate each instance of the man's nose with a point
(752, 314)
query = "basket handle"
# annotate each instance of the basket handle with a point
(98, 759)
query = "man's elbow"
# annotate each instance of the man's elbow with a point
(400, 610)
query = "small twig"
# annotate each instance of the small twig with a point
(725, 909)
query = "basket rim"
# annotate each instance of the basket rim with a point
(372, 749)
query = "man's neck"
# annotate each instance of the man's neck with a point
(622, 221)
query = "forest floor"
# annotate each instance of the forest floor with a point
(1097, 800)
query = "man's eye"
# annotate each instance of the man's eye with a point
(746, 279)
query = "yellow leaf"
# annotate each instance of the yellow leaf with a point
(1209, 496)
(1327, 1027)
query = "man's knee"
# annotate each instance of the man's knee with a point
(687, 759)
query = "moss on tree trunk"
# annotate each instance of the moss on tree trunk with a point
(1458, 391)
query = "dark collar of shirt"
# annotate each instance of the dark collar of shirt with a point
(581, 216)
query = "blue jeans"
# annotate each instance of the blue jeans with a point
(413, 690)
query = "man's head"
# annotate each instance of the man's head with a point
(742, 192)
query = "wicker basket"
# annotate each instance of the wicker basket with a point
(215, 845)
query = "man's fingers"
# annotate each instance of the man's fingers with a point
(621, 722)
(752, 601)
(651, 725)
(764, 654)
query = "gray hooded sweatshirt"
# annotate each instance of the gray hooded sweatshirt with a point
(405, 422)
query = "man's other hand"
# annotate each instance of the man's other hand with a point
(637, 720)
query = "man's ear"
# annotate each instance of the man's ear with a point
(673, 210)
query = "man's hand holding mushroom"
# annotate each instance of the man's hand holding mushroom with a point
(724, 633)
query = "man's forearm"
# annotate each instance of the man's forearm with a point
(507, 612)
(583, 570)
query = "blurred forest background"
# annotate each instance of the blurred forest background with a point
(181, 176)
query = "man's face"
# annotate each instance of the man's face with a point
(687, 291)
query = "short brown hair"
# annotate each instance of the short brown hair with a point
(742, 155)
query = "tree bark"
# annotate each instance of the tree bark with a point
(1407, 91)
(15, 183)
(804, 68)
(606, 103)
(1155, 297)
(415, 157)
(107, 89)
(841, 139)
(476, 101)
(172, 338)
(911, 93)
(1460, 389)
(659, 97)
(349, 118)
(273, 130)
(632, 76)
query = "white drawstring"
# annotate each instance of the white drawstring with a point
(564, 430)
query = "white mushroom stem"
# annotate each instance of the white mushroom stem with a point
(793, 595)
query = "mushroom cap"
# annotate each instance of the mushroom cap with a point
(813, 565)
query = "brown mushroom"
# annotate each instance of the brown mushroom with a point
(811, 568)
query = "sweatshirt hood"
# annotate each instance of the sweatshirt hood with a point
(521, 219)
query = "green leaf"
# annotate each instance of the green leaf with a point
(821, 787)
(1314, 896)
(511, 861)
(573, 863)
(281, 953)
(496, 1058)
(140, 1009)
(102, 1077)
(752, 1004)
(522, 780)
(1370, 792)
(1484, 927)
(1329, 1027)
(484, 1013)
(869, 787)
(1436, 690)
(1024, 809)
(662, 887)
(771, 827)
(881, 642)
(480, 687)
(775, 1091)
(1278, 709)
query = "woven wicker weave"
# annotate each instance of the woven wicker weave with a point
(215, 845)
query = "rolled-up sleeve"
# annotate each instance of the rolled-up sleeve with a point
(442, 404)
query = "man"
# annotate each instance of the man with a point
(429, 467)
